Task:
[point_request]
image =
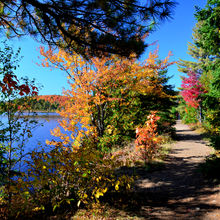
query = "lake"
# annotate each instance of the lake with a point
(46, 122)
(41, 133)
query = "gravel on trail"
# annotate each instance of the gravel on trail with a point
(179, 191)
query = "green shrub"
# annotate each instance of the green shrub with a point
(215, 142)
(211, 167)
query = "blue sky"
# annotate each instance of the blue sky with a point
(172, 35)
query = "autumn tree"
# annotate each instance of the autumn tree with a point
(205, 51)
(192, 90)
(103, 93)
(91, 27)
(163, 104)
(209, 40)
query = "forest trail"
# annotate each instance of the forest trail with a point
(179, 191)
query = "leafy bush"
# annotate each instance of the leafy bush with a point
(147, 141)
(64, 177)
(211, 167)
(190, 115)
(215, 142)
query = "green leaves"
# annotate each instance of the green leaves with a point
(209, 30)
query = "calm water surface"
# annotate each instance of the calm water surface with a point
(41, 133)
(45, 123)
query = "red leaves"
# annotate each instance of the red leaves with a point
(10, 83)
(192, 88)
(24, 89)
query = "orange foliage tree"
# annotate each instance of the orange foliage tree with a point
(99, 85)
(147, 139)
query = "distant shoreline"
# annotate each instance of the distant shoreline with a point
(44, 114)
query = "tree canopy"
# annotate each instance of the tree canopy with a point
(210, 28)
(89, 27)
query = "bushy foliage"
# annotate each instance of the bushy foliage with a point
(147, 139)
(205, 51)
(63, 177)
(124, 119)
(210, 168)
(109, 97)
(215, 142)
(188, 114)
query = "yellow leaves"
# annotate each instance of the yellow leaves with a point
(2, 200)
(38, 209)
(50, 142)
(98, 179)
(129, 186)
(56, 132)
(117, 186)
(54, 182)
(85, 196)
(110, 129)
(99, 192)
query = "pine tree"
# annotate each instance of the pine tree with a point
(91, 27)
(202, 58)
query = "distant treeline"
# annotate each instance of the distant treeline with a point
(48, 102)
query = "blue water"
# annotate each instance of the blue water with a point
(40, 132)
(45, 123)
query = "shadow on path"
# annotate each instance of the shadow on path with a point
(178, 191)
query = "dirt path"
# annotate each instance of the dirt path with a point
(179, 191)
